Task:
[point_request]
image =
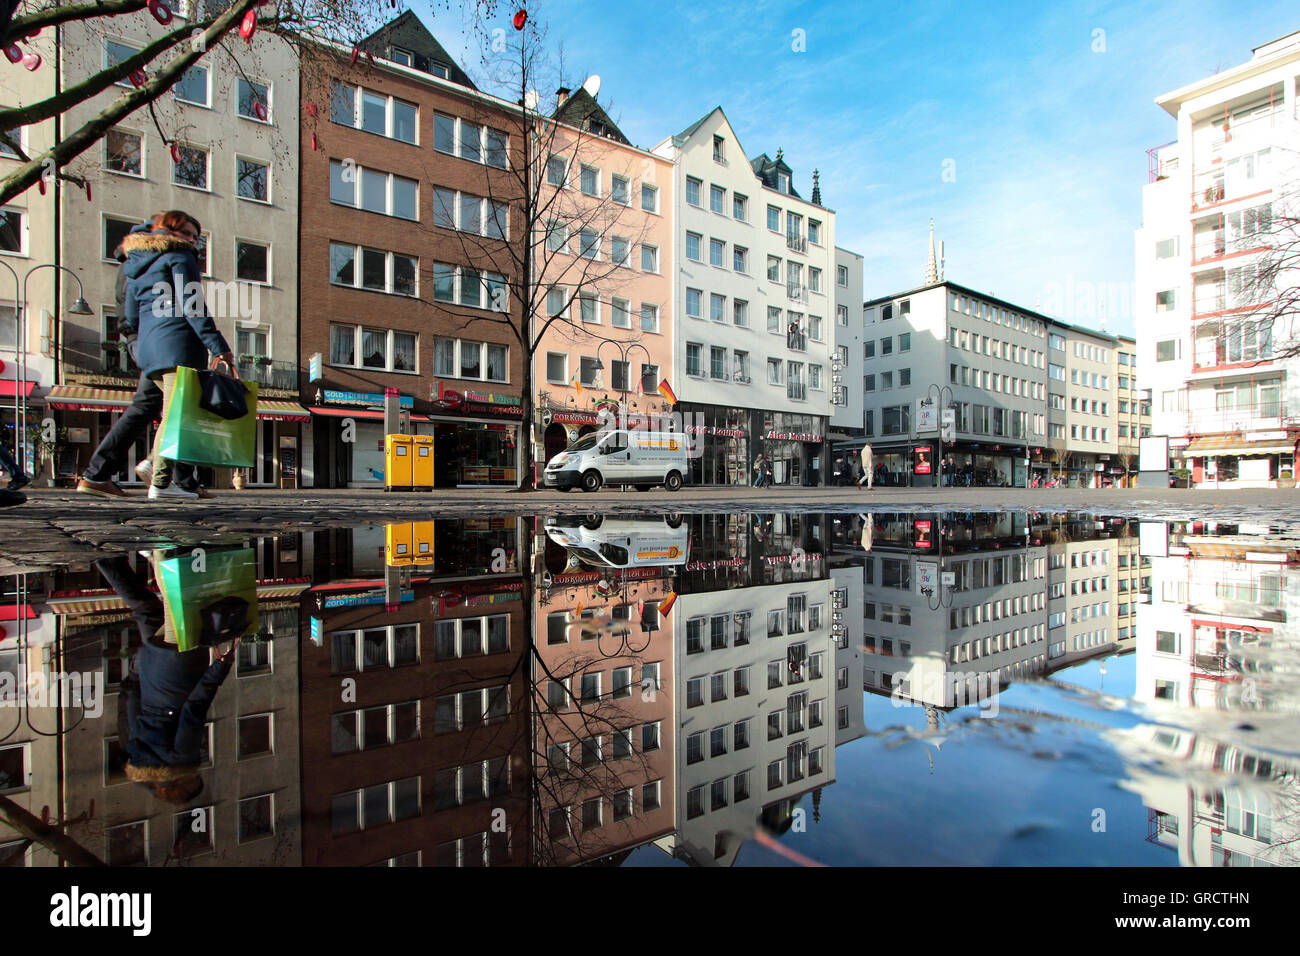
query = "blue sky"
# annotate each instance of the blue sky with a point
(1043, 137)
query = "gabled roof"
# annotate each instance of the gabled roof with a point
(681, 138)
(408, 32)
(581, 110)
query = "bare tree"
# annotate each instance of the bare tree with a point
(1271, 285)
(226, 25)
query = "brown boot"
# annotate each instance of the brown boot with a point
(102, 489)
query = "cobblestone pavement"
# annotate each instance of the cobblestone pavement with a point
(57, 526)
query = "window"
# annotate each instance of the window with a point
(719, 146)
(124, 152)
(774, 368)
(650, 796)
(482, 290)
(905, 342)
(15, 767)
(693, 187)
(192, 87)
(373, 191)
(618, 189)
(717, 199)
(740, 313)
(649, 198)
(693, 297)
(589, 308)
(589, 180)
(257, 816)
(693, 352)
(650, 737)
(115, 53)
(693, 243)
(192, 168)
(1167, 350)
(717, 362)
(253, 180)
(252, 261)
(472, 142)
(774, 218)
(718, 307)
(814, 279)
(740, 207)
(717, 252)
(254, 100)
(649, 258)
(400, 799)
(481, 361)
(620, 314)
(650, 323)
(842, 276)
(115, 231)
(588, 374)
(383, 349)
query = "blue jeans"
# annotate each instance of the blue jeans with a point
(110, 456)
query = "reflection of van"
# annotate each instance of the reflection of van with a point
(622, 543)
(620, 458)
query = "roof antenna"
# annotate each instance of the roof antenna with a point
(931, 269)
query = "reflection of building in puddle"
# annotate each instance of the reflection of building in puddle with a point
(1217, 650)
(763, 694)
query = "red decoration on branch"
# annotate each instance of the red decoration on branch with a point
(311, 108)
(259, 109)
(138, 78)
(13, 53)
(176, 152)
(249, 26)
(89, 197)
(521, 17)
(32, 61)
(314, 144)
(161, 12)
(356, 52)
(40, 184)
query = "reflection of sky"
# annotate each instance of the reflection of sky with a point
(1015, 790)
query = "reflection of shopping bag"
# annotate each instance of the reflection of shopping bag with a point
(209, 597)
(193, 434)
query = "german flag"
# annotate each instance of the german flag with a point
(667, 392)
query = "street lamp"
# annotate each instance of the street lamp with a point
(935, 393)
(623, 352)
(78, 307)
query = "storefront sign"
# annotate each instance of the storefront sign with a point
(715, 565)
(473, 402)
(927, 415)
(363, 600)
(927, 577)
(330, 397)
(775, 435)
(773, 560)
(721, 432)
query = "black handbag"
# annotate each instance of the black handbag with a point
(224, 620)
(222, 395)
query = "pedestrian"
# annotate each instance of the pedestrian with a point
(163, 306)
(767, 473)
(146, 406)
(867, 472)
(17, 477)
(758, 471)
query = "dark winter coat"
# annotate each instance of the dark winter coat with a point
(161, 273)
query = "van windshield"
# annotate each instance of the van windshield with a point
(585, 442)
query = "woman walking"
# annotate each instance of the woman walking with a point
(164, 302)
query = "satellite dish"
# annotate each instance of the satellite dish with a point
(592, 85)
(531, 99)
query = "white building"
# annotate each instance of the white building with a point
(1221, 393)
(846, 361)
(755, 264)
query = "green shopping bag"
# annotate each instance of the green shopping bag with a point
(195, 435)
(209, 596)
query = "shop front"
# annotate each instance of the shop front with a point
(795, 444)
(1249, 460)
(721, 450)
(476, 437)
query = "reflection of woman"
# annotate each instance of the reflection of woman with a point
(167, 695)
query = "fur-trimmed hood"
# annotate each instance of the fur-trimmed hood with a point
(143, 249)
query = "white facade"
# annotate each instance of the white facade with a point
(724, 340)
(846, 372)
(1217, 385)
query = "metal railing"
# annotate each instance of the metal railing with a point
(796, 243)
(1262, 415)
(796, 390)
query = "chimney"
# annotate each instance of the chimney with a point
(561, 95)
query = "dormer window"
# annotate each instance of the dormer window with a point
(783, 183)
(439, 70)
(398, 55)
(719, 154)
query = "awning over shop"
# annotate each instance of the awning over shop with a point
(85, 398)
(281, 411)
(1211, 446)
(367, 413)
(10, 388)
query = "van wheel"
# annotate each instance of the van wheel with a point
(674, 481)
(592, 522)
(642, 487)
(673, 520)
(591, 481)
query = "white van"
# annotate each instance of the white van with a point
(601, 542)
(620, 457)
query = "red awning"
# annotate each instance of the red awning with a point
(17, 612)
(368, 413)
(9, 388)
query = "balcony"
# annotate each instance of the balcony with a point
(795, 292)
(796, 391)
(1209, 245)
(796, 243)
(268, 372)
(1162, 161)
(1259, 417)
(796, 341)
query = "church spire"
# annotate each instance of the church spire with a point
(931, 265)
(817, 188)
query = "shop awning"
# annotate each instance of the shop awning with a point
(10, 388)
(1210, 446)
(84, 398)
(281, 411)
(367, 413)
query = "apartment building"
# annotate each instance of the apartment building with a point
(1132, 410)
(603, 699)
(846, 360)
(1082, 411)
(226, 154)
(1223, 390)
(409, 212)
(426, 761)
(28, 241)
(609, 236)
(755, 308)
(983, 623)
(1222, 602)
(946, 345)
